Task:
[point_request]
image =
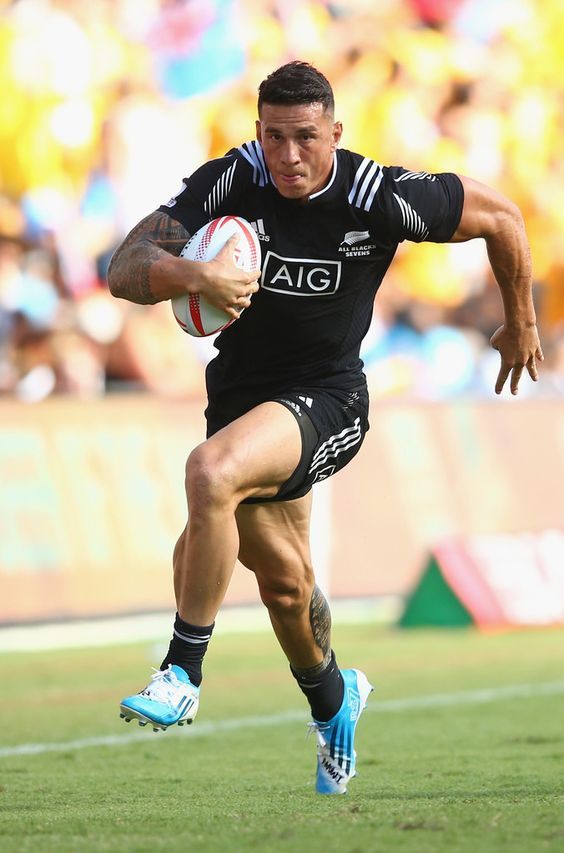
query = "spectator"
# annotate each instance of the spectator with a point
(450, 84)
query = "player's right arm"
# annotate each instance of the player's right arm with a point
(146, 268)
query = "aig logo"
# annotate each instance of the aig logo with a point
(300, 276)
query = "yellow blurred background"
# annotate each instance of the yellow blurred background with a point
(105, 106)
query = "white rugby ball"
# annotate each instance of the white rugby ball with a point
(194, 314)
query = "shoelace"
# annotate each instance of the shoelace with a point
(163, 687)
(323, 748)
(317, 727)
(319, 731)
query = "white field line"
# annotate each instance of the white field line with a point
(438, 700)
(157, 627)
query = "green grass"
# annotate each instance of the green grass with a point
(463, 777)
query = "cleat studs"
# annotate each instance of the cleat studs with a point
(189, 722)
(155, 729)
(181, 722)
(122, 716)
(142, 722)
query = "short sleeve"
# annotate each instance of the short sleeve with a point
(207, 193)
(420, 206)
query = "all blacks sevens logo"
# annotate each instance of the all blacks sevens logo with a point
(300, 276)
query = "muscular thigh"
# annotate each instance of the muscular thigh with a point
(259, 450)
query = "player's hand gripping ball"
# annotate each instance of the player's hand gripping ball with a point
(194, 314)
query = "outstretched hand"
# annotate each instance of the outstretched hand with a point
(519, 347)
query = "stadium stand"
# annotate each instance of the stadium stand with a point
(92, 92)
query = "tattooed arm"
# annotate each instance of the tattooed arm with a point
(146, 268)
(141, 269)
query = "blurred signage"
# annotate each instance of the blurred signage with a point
(491, 581)
(92, 502)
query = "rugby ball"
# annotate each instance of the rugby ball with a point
(194, 314)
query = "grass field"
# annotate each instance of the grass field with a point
(461, 749)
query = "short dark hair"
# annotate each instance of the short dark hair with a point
(296, 83)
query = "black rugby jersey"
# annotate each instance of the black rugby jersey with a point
(322, 262)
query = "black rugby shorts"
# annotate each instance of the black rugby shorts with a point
(332, 424)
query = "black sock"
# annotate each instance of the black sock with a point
(324, 689)
(188, 647)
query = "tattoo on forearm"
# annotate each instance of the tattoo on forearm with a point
(134, 269)
(130, 268)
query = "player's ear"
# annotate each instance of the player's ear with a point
(258, 132)
(336, 135)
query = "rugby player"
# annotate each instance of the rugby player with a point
(287, 396)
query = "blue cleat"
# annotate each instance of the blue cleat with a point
(169, 699)
(336, 756)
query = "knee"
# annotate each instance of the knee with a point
(289, 595)
(210, 478)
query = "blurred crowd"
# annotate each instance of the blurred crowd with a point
(106, 106)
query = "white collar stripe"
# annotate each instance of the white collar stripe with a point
(333, 176)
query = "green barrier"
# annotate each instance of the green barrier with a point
(433, 602)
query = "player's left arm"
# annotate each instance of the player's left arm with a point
(491, 216)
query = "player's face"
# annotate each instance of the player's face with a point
(298, 143)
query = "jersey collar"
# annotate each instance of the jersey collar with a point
(330, 182)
